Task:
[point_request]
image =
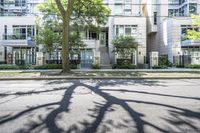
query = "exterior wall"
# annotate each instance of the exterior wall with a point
(174, 35)
(135, 18)
(94, 45)
(16, 18)
(167, 39)
(140, 37)
(2, 57)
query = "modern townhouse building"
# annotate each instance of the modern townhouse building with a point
(157, 25)
(127, 18)
(168, 21)
(17, 29)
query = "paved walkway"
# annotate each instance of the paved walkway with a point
(109, 70)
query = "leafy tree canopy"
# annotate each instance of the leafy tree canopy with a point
(125, 46)
(192, 33)
(125, 42)
(85, 12)
(64, 13)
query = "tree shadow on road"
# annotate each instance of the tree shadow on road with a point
(100, 110)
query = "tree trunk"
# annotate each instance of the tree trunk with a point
(65, 40)
(65, 46)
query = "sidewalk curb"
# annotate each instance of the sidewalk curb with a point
(92, 77)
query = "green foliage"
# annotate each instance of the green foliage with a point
(163, 61)
(85, 12)
(95, 66)
(49, 66)
(191, 33)
(20, 62)
(4, 67)
(194, 66)
(47, 36)
(76, 41)
(91, 13)
(159, 67)
(54, 66)
(124, 61)
(125, 46)
(124, 66)
(14, 67)
(125, 42)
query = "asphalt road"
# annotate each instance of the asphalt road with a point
(87, 106)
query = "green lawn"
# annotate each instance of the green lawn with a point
(106, 74)
(19, 74)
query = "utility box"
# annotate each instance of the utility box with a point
(195, 57)
(153, 56)
(40, 58)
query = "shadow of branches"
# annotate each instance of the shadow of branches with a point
(100, 110)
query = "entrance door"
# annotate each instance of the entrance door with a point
(86, 58)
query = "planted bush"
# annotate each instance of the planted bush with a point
(124, 66)
(54, 66)
(49, 66)
(195, 66)
(14, 67)
(95, 66)
(159, 67)
(6, 67)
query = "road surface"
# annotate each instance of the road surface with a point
(102, 106)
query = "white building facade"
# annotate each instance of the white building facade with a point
(167, 30)
(127, 18)
(157, 25)
(17, 30)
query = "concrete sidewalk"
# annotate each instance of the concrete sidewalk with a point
(108, 77)
(108, 70)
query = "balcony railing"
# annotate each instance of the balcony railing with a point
(18, 40)
(190, 42)
(15, 37)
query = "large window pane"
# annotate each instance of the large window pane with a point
(128, 31)
(118, 9)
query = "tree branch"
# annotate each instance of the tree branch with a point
(69, 8)
(60, 7)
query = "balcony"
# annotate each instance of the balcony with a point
(190, 43)
(18, 41)
(91, 43)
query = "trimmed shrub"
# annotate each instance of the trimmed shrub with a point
(124, 61)
(163, 61)
(124, 66)
(159, 67)
(95, 66)
(49, 66)
(195, 66)
(54, 66)
(20, 62)
(6, 67)
(14, 67)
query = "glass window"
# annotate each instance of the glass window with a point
(118, 1)
(118, 9)
(128, 31)
(193, 8)
(155, 18)
(121, 30)
(127, 11)
(23, 32)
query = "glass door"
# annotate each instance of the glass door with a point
(86, 58)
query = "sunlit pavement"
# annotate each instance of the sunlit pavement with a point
(117, 106)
